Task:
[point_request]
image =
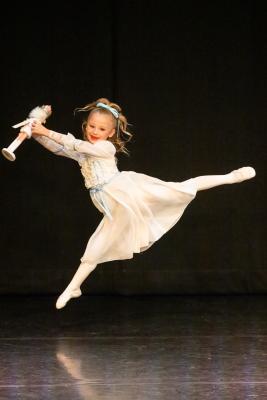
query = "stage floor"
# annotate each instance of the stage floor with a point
(134, 348)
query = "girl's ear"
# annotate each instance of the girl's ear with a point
(112, 133)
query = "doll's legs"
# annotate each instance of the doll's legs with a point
(238, 175)
(73, 288)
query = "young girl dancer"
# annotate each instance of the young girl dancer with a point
(137, 209)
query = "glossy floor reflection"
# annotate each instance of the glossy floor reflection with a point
(169, 347)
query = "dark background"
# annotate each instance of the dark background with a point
(192, 82)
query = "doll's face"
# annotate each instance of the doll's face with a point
(100, 126)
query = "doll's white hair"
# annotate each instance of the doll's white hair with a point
(40, 113)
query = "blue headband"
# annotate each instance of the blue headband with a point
(111, 109)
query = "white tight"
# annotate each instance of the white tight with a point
(210, 181)
(238, 175)
(80, 275)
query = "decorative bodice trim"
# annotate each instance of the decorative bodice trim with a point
(97, 171)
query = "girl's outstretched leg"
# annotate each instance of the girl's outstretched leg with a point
(238, 175)
(73, 288)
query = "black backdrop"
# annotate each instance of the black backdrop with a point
(192, 82)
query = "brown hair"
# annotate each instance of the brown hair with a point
(121, 136)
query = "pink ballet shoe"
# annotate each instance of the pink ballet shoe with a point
(242, 174)
(66, 296)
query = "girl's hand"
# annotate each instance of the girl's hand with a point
(39, 129)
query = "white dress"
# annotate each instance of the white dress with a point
(137, 209)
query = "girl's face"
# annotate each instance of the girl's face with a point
(100, 126)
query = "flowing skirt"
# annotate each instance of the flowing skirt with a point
(143, 209)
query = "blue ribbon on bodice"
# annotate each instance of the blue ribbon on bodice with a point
(98, 190)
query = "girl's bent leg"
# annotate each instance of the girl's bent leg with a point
(73, 288)
(238, 175)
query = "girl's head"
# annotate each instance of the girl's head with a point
(105, 121)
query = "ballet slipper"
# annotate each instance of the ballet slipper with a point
(242, 174)
(66, 296)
